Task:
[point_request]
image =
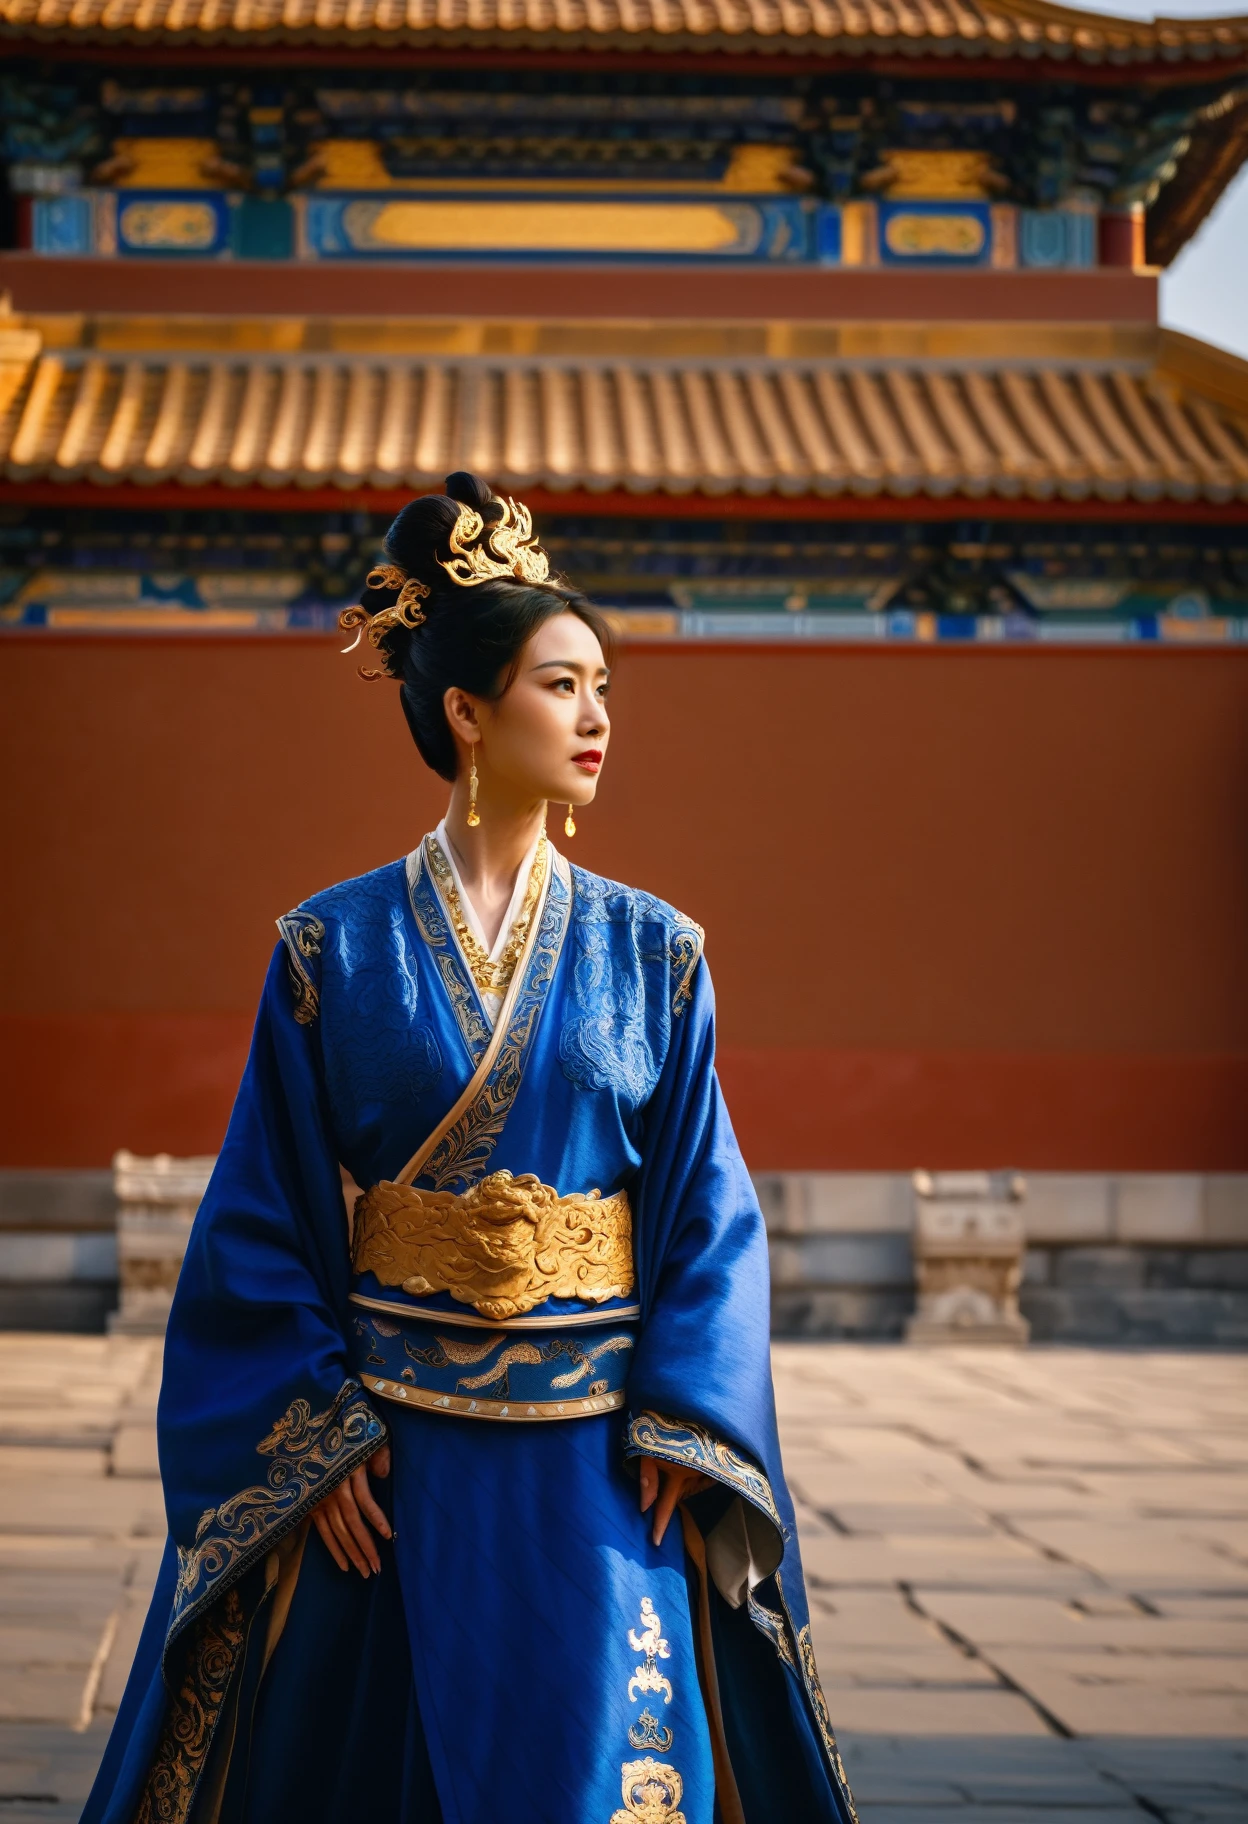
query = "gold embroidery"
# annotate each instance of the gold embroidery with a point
(508, 547)
(462, 1407)
(651, 1434)
(649, 1732)
(684, 952)
(312, 1453)
(467, 1355)
(652, 1792)
(650, 1642)
(431, 922)
(211, 1653)
(819, 1704)
(531, 1354)
(650, 1789)
(302, 934)
(469, 1138)
(527, 1354)
(774, 1626)
(491, 978)
(503, 1246)
(814, 1691)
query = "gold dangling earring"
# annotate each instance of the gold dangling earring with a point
(569, 823)
(473, 819)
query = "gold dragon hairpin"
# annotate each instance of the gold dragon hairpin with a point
(406, 611)
(508, 548)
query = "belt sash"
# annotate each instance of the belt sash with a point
(568, 1372)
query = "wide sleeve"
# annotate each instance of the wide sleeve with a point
(259, 1415)
(700, 1388)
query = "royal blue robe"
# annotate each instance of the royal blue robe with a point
(527, 1653)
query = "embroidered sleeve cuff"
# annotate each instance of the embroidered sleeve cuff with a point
(311, 1454)
(653, 1434)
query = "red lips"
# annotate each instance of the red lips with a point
(590, 759)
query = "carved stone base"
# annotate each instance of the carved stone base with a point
(968, 1253)
(157, 1200)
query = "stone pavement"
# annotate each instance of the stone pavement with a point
(1029, 1573)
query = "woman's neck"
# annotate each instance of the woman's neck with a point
(489, 855)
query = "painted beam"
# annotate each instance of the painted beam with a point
(426, 289)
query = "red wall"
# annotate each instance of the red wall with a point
(962, 907)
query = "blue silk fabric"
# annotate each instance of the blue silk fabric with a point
(568, 1373)
(505, 1638)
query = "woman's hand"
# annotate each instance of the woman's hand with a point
(340, 1518)
(668, 1485)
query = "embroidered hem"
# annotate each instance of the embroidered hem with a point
(211, 1652)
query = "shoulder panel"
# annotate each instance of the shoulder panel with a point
(303, 931)
(597, 900)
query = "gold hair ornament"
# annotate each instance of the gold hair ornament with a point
(508, 548)
(406, 611)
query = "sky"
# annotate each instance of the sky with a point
(1205, 292)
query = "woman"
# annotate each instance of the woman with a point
(407, 1455)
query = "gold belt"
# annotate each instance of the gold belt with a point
(503, 1246)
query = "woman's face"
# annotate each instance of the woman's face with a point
(546, 736)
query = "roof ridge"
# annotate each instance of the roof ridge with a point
(832, 27)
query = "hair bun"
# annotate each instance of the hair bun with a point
(470, 491)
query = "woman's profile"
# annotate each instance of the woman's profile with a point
(475, 1500)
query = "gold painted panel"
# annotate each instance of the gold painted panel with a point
(555, 227)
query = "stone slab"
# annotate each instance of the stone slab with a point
(977, 1713)
(828, 1203)
(1068, 1207)
(1041, 1621)
(1159, 1207)
(1129, 1694)
(1025, 1771)
(1028, 1513)
(134, 1451)
(1226, 1209)
(997, 1814)
(842, 1260)
(47, 1257)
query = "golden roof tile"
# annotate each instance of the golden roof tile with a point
(1102, 426)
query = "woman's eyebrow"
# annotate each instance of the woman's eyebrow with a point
(568, 665)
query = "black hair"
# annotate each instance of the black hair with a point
(471, 636)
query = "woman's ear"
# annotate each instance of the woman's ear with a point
(461, 714)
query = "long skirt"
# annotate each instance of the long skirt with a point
(524, 1652)
(527, 1655)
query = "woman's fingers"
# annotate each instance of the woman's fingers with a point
(367, 1506)
(357, 1525)
(671, 1486)
(345, 1532)
(342, 1518)
(320, 1520)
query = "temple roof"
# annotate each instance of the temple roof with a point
(1169, 421)
(975, 28)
